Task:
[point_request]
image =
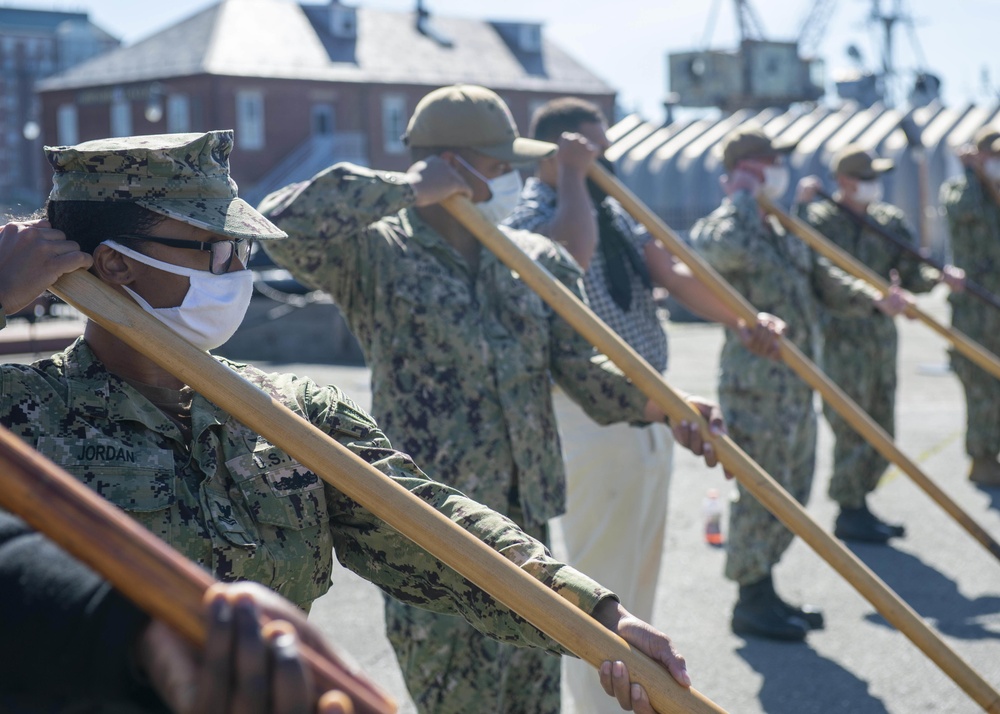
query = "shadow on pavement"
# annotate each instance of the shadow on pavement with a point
(933, 595)
(831, 688)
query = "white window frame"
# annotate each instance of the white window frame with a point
(329, 113)
(121, 117)
(67, 125)
(178, 114)
(529, 37)
(250, 119)
(393, 123)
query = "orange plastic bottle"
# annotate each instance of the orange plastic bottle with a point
(712, 512)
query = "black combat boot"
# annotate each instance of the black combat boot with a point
(861, 525)
(760, 612)
(985, 472)
(809, 614)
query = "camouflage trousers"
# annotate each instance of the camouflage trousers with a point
(864, 367)
(451, 668)
(982, 408)
(777, 429)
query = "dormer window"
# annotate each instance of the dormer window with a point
(521, 37)
(343, 21)
(529, 37)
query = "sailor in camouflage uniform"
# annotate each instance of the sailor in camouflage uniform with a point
(767, 407)
(974, 224)
(462, 354)
(859, 354)
(162, 220)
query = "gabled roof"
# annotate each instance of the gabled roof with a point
(285, 40)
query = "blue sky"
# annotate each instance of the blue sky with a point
(626, 41)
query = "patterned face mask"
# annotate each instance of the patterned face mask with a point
(213, 307)
(505, 192)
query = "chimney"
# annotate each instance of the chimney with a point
(423, 26)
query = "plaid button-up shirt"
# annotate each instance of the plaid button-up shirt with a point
(639, 326)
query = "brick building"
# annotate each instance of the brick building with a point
(304, 85)
(34, 44)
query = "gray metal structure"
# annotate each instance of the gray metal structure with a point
(675, 168)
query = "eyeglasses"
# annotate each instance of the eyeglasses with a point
(222, 250)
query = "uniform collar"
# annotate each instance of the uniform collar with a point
(102, 395)
(413, 226)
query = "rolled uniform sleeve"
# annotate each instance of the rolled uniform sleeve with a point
(376, 551)
(841, 294)
(777, 273)
(331, 223)
(736, 242)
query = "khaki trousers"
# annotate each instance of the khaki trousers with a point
(613, 530)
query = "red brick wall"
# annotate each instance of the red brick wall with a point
(287, 114)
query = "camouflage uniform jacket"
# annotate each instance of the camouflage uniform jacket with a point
(875, 252)
(776, 273)
(243, 508)
(461, 362)
(974, 226)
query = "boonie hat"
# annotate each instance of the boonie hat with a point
(852, 160)
(468, 116)
(181, 176)
(747, 142)
(986, 138)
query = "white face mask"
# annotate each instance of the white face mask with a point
(213, 307)
(776, 180)
(868, 192)
(505, 192)
(991, 167)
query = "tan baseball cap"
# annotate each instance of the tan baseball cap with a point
(854, 161)
(750, 142)
(987, 139)
(467, 116)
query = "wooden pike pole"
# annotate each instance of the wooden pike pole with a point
(750, 474)
(154, 576)
(859, 420)
(362, 482)
(848, 263)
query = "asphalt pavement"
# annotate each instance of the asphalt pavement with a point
(859, 663)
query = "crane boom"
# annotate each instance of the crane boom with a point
(811, 31)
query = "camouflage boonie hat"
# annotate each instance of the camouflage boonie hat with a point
(181, 176)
